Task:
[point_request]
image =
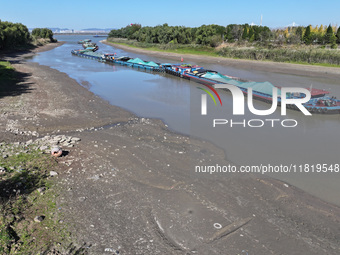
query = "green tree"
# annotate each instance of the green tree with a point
(204, 34)
(329, 38)
(245, 33)
(257, 33)
(307, 38)
(229, 36)
(251, 34)
(265, 33)
(13, 35)
(131, 30)
(299, 32)
(44, 33)
(36, 32)
(338, 35)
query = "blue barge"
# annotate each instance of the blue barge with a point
(320, 103)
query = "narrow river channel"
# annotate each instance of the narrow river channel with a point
(315, 140)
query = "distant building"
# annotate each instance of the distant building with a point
(68, 31)
(81, 31)
(292, 25)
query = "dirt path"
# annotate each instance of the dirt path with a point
(130, 186)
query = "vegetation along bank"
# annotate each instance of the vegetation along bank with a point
(17, 36)
(306, 45)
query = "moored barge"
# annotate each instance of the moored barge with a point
(320, 102)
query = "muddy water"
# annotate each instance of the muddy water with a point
(315, 140)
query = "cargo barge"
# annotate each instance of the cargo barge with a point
(133, 62)
(320, 102)
(84, 41)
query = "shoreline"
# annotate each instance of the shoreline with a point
(21, 54)
(276, 67)
(139, 173)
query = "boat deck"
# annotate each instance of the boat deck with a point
(88, 54)
(320, 103)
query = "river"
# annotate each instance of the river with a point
(315, 140)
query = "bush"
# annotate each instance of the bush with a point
(43, 33)
(334, 46)
(13, 35)
(215, 41)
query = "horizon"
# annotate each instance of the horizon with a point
(81, 15)
(98, 28)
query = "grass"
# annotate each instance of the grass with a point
(26, 171)
(6, 70)
(11, 81)
(42, 41)
(298, 55)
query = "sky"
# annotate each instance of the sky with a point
(74, 14)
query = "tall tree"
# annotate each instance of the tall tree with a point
(338, 35)
(13, 34)
(307, 38)
(329, 35)
(299, 32)
(245, 33)
(251, 34)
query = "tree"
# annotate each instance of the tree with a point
(321, 29)
(131, 30)
(204, 34)
(338, 35)
(49, 34)
(299, 32)
(2, 37)
(286, 33)
(251, 34)
(256, 33)
(307, 38)
(265, 33)
(13, 35)
(245, 33)
(329, 35)
(36, 32)
(43, 33)
(228, 34)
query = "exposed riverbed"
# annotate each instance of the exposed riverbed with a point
(129, 185)
(177, 102)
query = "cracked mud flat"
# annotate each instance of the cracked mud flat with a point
(130, 188)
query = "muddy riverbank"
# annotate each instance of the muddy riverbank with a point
(130, 185)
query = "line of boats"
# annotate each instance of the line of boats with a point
(88, 45)
(320, 101)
